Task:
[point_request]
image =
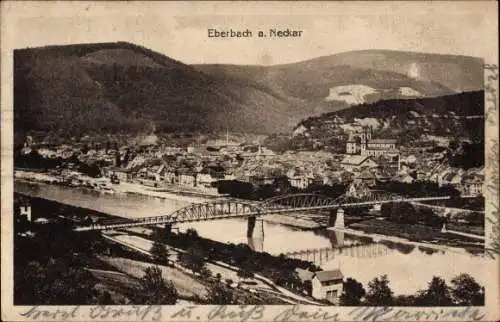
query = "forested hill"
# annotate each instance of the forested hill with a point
(463, 104)
(459, 114)
(121, 87)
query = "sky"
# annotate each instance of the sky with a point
(179, 30)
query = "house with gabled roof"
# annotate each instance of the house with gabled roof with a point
(328, 285)
(356, 162)
(367, 177)
(300, 179)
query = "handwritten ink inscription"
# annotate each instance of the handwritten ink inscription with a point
(383, 314)
(37, 313)
(247, 313)
(100, 312)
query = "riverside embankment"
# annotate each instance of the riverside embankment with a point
(397, 264)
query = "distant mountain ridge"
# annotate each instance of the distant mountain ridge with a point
(456, 72)
(120, 87)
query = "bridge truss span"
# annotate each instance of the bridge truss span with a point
(368, 197)
(232, 208)
(218, 209)
(297, 201)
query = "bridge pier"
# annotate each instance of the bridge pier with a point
(255, 227)
(336, 218)
(339, 221)
(257, 244)
(251, 225)
(339, 236)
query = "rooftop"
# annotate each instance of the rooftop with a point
(304, 274)
(325, 276)
(382, 141)
(354, 159)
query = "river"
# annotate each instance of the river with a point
(408, 268)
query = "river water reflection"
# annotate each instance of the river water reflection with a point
(408, 268)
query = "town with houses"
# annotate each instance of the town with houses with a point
(198, 167)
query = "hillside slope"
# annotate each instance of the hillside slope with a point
(122, 87)
(460, 116)
(385, 71)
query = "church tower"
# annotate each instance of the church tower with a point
(366, 136)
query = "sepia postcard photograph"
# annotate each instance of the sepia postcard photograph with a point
(250, 161)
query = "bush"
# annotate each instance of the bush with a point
(353, 293)
(155, 290)
(379, 293)
(159, 252)
(466, 291)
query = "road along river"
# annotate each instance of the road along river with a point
(408, 268)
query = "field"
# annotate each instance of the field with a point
(416, 233)
(477, 230)
(187, 286)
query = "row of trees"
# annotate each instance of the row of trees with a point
(418, 189)
(281, 185)
(464, 291)
(34, 160)
(406, 213)
(193, 259)
(278, 268)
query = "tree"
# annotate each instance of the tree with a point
(379, 292)
(353, 293)
(243, 273)
(386, 209)
(404, 300)
(282, 184)
(155, 290)
(205, 272)
(159, 252)
(220, 295)
(436, 294)
(192, 233)
(466, 291)
(192, 259)
(403, 213)
(92, 170)
(105, 298)
(56, 282)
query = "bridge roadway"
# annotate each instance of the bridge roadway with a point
(253, 210)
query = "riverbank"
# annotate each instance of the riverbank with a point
(177, 193)
(137, 188)
(381, 238)
(291, 220)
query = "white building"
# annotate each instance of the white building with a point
(328, 285)
(379, 147)
(355, 162)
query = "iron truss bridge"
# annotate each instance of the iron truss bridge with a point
(236, 208)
